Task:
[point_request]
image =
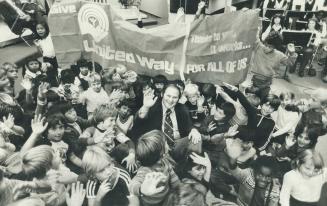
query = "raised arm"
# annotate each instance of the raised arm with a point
(38, 125)
(149, 99)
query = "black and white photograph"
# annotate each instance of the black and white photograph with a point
(163, 102)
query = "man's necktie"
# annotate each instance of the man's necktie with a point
(168, 128)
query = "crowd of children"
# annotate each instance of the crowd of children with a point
(89, 135)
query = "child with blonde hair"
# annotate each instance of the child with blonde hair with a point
(95, 95)
(194, 103)
(101, 172)
(106, 135)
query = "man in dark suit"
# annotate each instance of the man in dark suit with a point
(170, 117)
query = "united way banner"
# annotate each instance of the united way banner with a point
(177, 50)
(220, 47)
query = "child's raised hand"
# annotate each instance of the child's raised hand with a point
(201, 5)
(219, 89)
(9, 122)
(77, 195)
(232, 131)
(231, 87)
(38, 124)
(150, 184)
(212, 126)
(26, 84)
(43, 89)
(197, 159)
(130, 162)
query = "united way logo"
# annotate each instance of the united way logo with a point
(93, 20)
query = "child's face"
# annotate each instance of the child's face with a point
(159, 86)
(71, 115)
(277, 20)
(41, 31)
(263, 177)
(303, 139)
(33, 66)
(96, 86)
(288, 99)
(124, 111)
(192, 98)
(219, 114)
(12, 72)
(198, 172)
(105, 173)
(56, 133)
(109, 122)
(266, 109)
(84, 71)
(308, 168)
(311, 25)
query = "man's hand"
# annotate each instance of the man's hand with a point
(130, 162)
(149, 99)
(150, 184)
(38, 125)
(77, 195)
(194, 136)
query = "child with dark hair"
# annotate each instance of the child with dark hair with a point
(218, 122)
(276, 24)
(258, 184)
(83, 73)
(151, 151)
(286, 117)
(159, 81)
(74, 127)
(267, 60)
(209, 93)
(45, 45)
(260, 119)
(125, 117)
(197, 169)
(32, 68)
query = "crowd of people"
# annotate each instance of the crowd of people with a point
(97, 136)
